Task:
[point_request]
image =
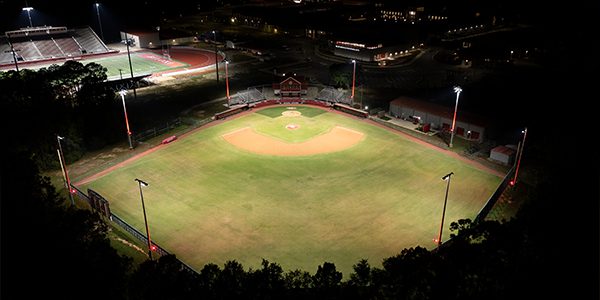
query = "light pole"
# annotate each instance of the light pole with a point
(227, 80)
(150, 246)
(353, 77)
(162, 51)
(99, 21)
(14, 55)
(130, 66)
(28, 10)
(63, 166)
(520, 153)
(123, 93)
(447, 177)
(216, 55)
(457, 90)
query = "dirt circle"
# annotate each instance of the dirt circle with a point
(292, 126)
(338, 139)
(291, 113)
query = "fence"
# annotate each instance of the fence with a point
(485, 210)
(117, 220)
(153, 132)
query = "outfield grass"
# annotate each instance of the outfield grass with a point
(211, 202)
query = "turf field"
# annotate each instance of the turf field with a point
(141, 62)
(210, 201)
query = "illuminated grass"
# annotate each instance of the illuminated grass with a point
(139, 65)
(211, 202)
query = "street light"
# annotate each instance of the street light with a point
(123, 93)
(216, 59)
(150, 246)
(520, 153)
(353, 77)
(13, 51)
(63, 166)
(99, 22)
(28, 9)
(457, 90)
(447, 177)
(227, 81)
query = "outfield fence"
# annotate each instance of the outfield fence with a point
(121, 223)
(156, 131)
(485, 210)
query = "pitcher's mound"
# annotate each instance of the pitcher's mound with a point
(291, 113)
(292, 126)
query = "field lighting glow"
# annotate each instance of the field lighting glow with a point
(297, 1)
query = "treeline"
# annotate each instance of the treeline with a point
(70, 100)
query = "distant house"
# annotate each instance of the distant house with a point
(503, 155)
(468, 126)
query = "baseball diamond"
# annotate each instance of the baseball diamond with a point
(337, 188)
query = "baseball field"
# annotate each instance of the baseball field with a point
(295, 185)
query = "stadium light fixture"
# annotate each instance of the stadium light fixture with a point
(353, 77)
(123, 93)
(63, 166)
(457, 90)
(99, 21)
(520, 154)
(150, 246)
(216, 55)
(28, 10)
(130, 65)
(227, 80)
(447, 178)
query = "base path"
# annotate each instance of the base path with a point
(338, 139)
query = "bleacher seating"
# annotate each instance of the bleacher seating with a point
(251, 95)
(27, 50)
(330, 94)
(50, 44)
(89, 41)
(48, 48)
(5, 54)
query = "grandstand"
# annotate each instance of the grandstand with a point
(248, 96)
(48, 43)
(330, 94)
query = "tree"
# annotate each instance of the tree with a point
(362, 276)
(266, 282)
(326, 281)
(341, 75)
(165, 278)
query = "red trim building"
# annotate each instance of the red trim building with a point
(291, 86)
(468, 126)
